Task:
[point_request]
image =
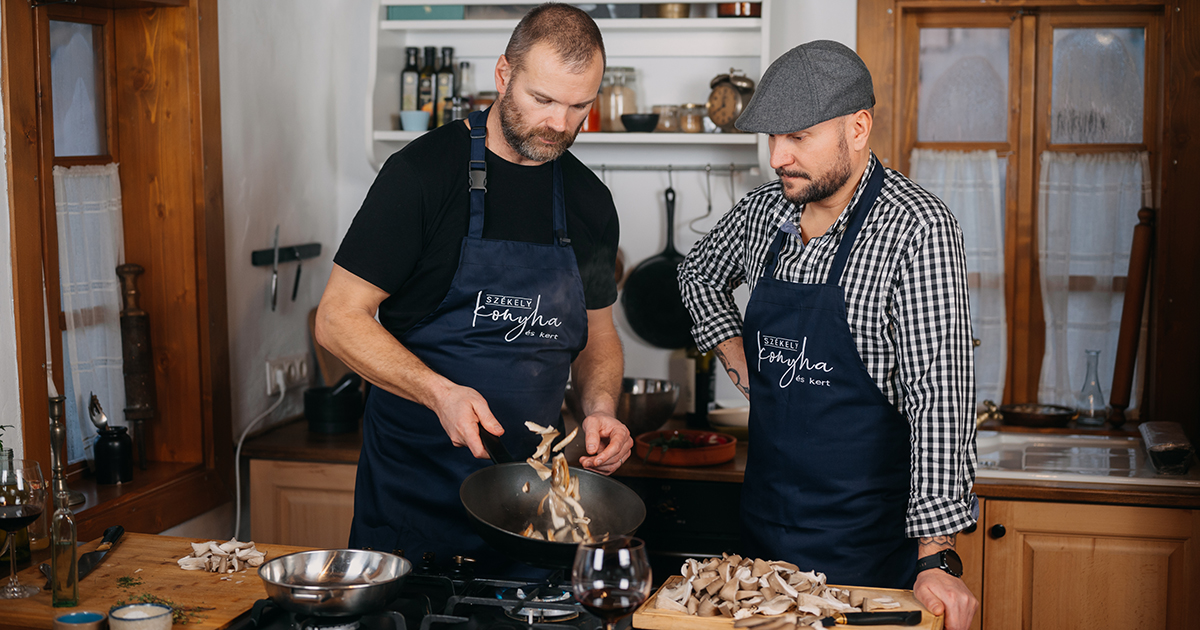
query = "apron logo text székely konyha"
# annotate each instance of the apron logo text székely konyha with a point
(773, 349)
(499, 308)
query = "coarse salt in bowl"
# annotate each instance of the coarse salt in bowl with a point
(140, 617)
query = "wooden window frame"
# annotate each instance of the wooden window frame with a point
(888, 44)
(162, 81)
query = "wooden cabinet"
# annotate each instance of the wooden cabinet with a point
(1058, 565)
(308, 504)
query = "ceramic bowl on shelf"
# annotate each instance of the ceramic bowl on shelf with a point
(639, 122)
(685, 447)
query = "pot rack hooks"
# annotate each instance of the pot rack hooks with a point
(707, 197)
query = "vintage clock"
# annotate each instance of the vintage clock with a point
(730, 95)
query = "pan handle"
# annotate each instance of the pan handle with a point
(315, 597)
(494, 447)
(670, 194)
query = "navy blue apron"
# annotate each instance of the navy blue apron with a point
(827, 478)
(509, 327)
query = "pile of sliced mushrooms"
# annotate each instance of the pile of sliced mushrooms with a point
(744, 589)
(222, 557)
(560, 516)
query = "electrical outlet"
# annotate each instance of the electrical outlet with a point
(295, 372)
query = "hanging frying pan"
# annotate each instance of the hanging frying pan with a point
(651, 299)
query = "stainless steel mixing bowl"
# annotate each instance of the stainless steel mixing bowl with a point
(645, 403)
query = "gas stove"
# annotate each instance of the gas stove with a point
(433, 601)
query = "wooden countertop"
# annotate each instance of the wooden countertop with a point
(294, 442)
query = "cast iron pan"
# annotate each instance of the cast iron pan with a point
(498, 510)
(651, 299)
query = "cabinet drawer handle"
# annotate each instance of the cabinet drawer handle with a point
(998, 531)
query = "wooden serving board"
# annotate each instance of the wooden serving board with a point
(647, 617)
(156, 557)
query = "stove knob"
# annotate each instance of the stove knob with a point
(464, 568)
(428, 563)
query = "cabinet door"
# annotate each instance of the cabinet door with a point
(1054, 565)
(308, 504)
(969, 546)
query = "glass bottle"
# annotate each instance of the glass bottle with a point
(618, 96)
(63, 561)
(425, 84)
(444, 86)
(704, 388)
(465, 82)
(1090, 400)
(410, 79)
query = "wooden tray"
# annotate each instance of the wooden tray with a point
(647, 617)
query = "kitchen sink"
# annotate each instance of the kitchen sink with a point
(1074, 458)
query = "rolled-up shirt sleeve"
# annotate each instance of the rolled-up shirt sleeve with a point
(932, 323)
(709, 274)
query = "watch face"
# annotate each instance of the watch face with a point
(954, 564)
(724, 105)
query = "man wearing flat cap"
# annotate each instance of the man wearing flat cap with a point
(855, 350)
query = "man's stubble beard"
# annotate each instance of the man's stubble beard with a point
(822, 187)
(528, 142)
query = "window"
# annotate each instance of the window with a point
(1062, 104)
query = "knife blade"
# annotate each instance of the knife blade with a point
(275, 270)
(888, 618)
(88, 561)
(91, 560)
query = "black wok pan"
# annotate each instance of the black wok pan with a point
(651, 299)
(499, 510)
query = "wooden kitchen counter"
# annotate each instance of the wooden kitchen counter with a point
(293, 442)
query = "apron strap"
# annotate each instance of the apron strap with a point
(477, 180)
(858, 216)
(477, 170)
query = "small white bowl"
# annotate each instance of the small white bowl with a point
(140, 617)
(732, 417)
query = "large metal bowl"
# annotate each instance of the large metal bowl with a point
(645, 404)
(334, 582)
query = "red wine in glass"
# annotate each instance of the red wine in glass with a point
(14, 517)
(611, 604)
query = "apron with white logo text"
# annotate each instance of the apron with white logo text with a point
(827, 477)
(510, 326)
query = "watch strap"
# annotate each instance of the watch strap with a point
(938, 561)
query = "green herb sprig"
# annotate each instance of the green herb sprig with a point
(180, 614)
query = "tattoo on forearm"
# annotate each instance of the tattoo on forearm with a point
(734, 375)
(941, 541)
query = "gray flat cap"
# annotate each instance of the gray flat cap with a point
(809, 84)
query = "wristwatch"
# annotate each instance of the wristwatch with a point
(946, 560)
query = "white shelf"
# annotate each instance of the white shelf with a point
(606, 25)
(748, 139)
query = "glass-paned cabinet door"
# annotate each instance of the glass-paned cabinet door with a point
(963, 85)
(77, 84)
(1097, 92)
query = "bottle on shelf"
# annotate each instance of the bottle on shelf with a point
(425, 90)
(443, 88)
(704, 388)
(63, 561)
(465, 82)
(410, 80)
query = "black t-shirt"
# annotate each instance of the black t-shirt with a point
(407, 235)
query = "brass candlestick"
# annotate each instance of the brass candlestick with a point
(58, 441)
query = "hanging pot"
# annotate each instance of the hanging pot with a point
(651, 299)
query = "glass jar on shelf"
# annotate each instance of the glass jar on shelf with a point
(668, 118)
(691, 118)
(618, 95)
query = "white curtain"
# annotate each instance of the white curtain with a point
(1087, 209)
(971, 185)
(87, 201)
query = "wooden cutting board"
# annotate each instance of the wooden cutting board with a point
(647, 617)
(153, 560)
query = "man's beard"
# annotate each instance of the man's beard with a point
(529, 143)
(822, 187)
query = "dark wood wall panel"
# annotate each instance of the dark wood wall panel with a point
(155, 119)
(1175, 308)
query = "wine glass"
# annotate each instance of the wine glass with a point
(611, 578)
(22, 498)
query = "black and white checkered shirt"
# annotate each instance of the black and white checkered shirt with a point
(906, 302)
